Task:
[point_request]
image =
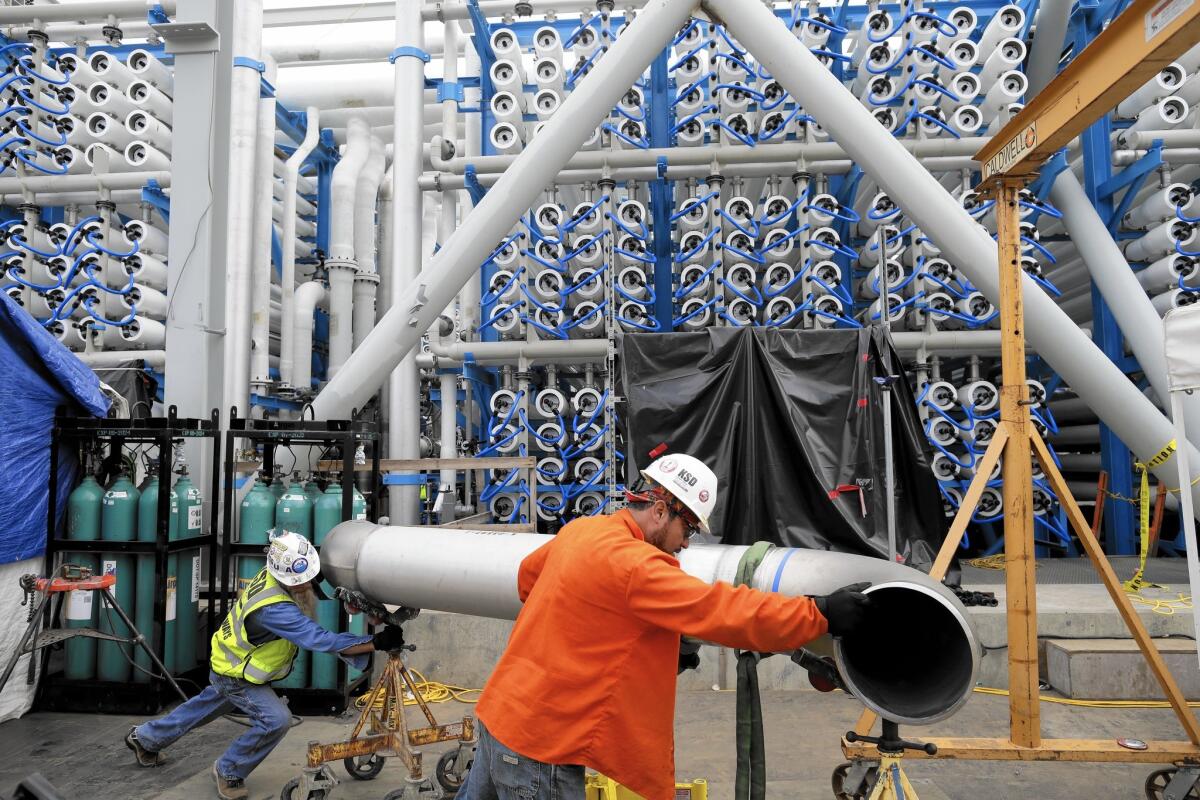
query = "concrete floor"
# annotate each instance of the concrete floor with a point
(84, 756)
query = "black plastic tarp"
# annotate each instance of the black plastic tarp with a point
(785, 418)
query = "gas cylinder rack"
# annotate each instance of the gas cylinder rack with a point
(110, 529)
(311, 505)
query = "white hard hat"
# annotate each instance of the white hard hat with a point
(292, 559)
(689, 479)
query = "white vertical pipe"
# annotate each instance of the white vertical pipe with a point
(287, 301)
(447, 222)
(448, 384)
(1066, 348)
(260, 256)
(404, 384)
(383, 258)
(308, 297)
(1135, 314)
(342, 264)
(243, 124)
(418, 301)
(366, 280)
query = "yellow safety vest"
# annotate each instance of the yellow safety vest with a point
(232, 653)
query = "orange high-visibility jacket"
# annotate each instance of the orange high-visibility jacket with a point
(588, 676)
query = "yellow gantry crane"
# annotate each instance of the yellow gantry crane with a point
(1143, 39)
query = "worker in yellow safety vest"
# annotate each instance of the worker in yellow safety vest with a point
(257, 642)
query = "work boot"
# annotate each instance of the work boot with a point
(229, 788)
(145, 758)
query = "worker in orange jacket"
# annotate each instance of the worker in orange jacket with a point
(588, 677)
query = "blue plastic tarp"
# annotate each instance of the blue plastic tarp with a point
(37, 375)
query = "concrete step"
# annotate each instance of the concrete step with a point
(1114, 669)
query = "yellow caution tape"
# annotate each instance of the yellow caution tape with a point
(1138, 582)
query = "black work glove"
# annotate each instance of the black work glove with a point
(689, 659)
(390, 638)
(845, 609)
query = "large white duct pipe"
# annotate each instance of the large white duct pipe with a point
(917, 666)
(308, 297)
(366, 280)
(404, 382)
(341, 263)
(1135, 314)
(416, 303)
(260, 263)
(243, 124)
(1060, 342)
(1048, 38)
(329, 87)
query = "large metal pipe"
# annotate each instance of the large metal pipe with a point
(916, 665)
(418, 302)
(1135, 314)
(1066, 348)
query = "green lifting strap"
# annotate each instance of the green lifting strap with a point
(751, 780)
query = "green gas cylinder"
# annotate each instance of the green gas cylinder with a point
(327, 512)
(83, 523)
(188, 510)
(311, 490)
(294, 513)
(147, 588)
(278, 484)
(118, 523)
(255, 521)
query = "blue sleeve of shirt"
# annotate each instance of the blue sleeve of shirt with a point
(287, 621)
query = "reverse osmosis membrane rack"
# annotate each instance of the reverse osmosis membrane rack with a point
(441, 217)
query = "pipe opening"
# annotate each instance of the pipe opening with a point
(912, 661)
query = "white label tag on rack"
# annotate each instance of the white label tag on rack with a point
(196, 579)
(171, 583)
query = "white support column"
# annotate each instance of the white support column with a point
(418, 302)
(1065, 347)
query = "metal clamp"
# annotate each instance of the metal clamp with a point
(246, 61)
(408, 52)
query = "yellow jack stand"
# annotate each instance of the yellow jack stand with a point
(865, 780)
(388, 735)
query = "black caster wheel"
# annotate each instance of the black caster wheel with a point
(450, 781)
(1158, 781)
(839, 783)
(364, 768)
(291, 791)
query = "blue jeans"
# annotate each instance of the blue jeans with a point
(269, 722)
(499, 773)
